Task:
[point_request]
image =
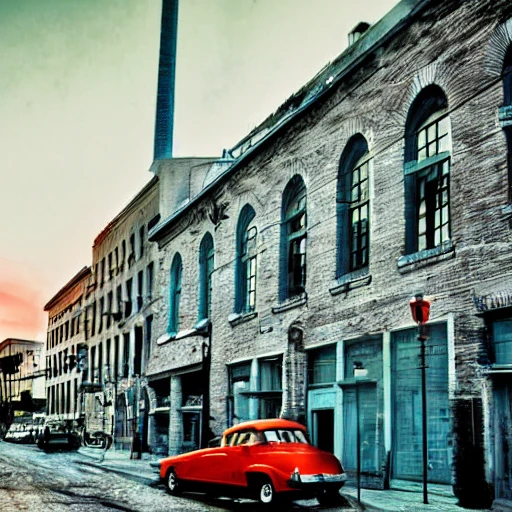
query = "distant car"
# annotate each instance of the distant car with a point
(59, 435)
(261, 459)
(21, 433)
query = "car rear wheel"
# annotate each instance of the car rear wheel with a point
(173, 484)
(266, 492)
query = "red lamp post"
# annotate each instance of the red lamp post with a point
(420, 309)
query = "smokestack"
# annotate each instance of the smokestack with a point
(164, 124)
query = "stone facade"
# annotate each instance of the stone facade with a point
(65, 338)
(117, 317)
(369, 91)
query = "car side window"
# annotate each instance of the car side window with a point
(271, 436)
(286, 436)
(228, 439)
(243, 438)
(300, 437)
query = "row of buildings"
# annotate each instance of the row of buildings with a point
(251, 286)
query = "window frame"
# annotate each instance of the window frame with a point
(246, 263)
(425, 169)
(293, 236)
(206, 269)
(355, 157)
(175, 294)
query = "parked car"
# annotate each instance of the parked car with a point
(59, 435)
(261, 459)
(21, 433)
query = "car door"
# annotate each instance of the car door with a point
(213, 466)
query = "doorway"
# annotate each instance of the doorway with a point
(323, 429)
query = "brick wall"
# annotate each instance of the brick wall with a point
(449, 44)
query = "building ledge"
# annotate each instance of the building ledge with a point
(411, 262)
(294, 302)
(160, 410)
(165, 338)
(240, 318)
(351, 282)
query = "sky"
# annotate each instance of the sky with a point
(78, 82)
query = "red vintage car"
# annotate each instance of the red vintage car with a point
(261, 459)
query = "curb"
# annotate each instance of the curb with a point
(138, 477)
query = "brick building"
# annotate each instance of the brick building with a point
(117, 317)
(285, 268)
(64, 345)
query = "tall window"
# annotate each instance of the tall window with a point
(206, 264)
(353, 207)
(293, 239)
(142, 238)
(427, 172)
(239, 383)
(507, 77)
(507, 117)
(149, 281)
(245, 282)
(322, 365)
(140, 290)
(271, 375)
(101, 310)
(175, 294)
(128, 301)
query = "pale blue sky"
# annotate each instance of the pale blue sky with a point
(77, 108)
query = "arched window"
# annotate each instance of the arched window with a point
(353, 207)
(293, 239)
(205, 275)
(175, 294)
(427, 172)
(245, 279)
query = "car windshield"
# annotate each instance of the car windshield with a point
(285, 436)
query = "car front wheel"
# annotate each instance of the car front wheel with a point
(266, 492)
(173, 484)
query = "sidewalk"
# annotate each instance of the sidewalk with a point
(119, 462)
(407, 496)
(404, 496)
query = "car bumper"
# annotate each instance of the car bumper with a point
(318, 481)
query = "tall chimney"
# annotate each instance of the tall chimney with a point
(164, 124)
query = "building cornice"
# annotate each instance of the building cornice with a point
(80, 276)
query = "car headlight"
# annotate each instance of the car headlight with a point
(295, 476)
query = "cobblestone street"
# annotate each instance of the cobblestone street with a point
(33, 480)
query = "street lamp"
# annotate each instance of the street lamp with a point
(420, 310)
(360, 374)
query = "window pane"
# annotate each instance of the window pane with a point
(322, 365)
(444, 126)
(421, 139)
(502, 336)
(431, 136)
(270, 374)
